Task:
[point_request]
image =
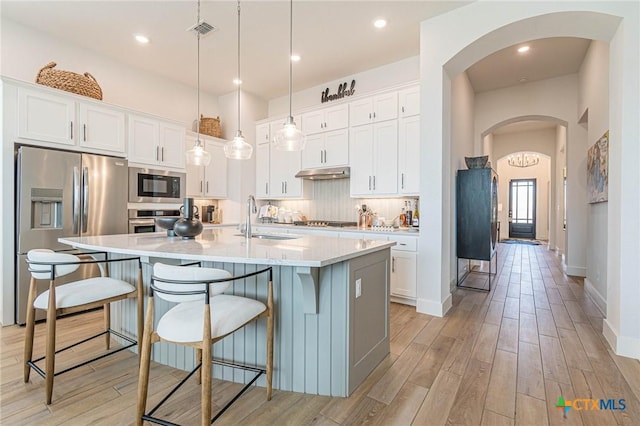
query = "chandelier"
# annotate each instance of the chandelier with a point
(523, 159)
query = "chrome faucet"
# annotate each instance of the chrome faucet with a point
(251, 208)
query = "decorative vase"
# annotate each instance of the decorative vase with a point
(187, 228)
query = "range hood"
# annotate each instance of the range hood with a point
(323, 174)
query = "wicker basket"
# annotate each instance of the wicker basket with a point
(210, 126)
(85, 85)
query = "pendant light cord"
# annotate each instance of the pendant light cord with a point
(290, 51)
(239, 79)
(198, 108)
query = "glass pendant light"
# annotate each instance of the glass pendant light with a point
(289, 138)
(197, 156)
(238, 148)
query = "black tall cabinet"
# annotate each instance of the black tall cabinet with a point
(477, 214)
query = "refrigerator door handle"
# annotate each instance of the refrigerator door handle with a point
(76, 199)
(85, 198)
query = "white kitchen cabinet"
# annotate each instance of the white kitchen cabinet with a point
(208, 181)
(46, 117)
(373, 153)
(409, 101)
(409, 155)
(374, 109)
(325, 120)
(327, 149)
(101, 128)
(283, 166)
(156, 142)
(262, 171)
(404, 268)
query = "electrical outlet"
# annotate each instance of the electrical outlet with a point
(358, 287)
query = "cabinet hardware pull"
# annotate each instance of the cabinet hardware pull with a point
(84, 132)
(157, 153)
(162, 153)
(282, 187)
(200, 186)
(402, 109)
(325, 156)
(285, 187)
(321, 157)
(369, 116)
(369, 183)
(72, 130)
(393, 264)
(374, 115)
(207, 187)
(402, 184)
(374, 183)
(266, 187)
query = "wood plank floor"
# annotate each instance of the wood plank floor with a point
(496, 358)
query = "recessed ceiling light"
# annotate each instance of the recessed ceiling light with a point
(295, 57)
(140, 38)
(380, 23)
(523, 49)
(237, 81)
(523, 80)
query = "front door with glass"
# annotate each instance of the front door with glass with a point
(522, 208)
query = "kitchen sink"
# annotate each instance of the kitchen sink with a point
(272, 236)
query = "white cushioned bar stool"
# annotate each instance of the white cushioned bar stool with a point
(202, 317)
(73, 297)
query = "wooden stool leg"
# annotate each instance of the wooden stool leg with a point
(198, 361)
(205, 407)
(140, 310)
(28, 335)
(106, 308)
(270, 341)
(145, 360)
(50, 361)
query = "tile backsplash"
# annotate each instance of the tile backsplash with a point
(332, 201)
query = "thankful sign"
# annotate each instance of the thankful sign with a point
(342, 92)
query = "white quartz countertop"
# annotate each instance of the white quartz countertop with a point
(225, 245)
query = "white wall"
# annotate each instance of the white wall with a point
(594, 102)
(556, 99)
(25, 51)
(462, 113)
(559, 239)
(541, 173)
(475, 31)
(404, 71)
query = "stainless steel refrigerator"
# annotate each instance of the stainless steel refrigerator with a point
(63, 194)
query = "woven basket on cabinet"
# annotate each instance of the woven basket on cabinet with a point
(85, 85)
(210, 126)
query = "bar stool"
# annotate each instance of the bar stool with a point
(202, 317)
(72, 297)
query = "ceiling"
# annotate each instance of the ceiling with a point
(334, 38)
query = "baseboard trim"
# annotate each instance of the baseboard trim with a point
(621, 345)
(575, 271)
(595, 296)
(430, 307)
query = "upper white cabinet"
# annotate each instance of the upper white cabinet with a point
(409, 101)
(208, 181)
(46, 117)
(156, 142)
(373, 153)
(374, 109)
(326, 150)
(276, 169)
(101, 128)
(62, 119)
(325, 120)
(409, 155)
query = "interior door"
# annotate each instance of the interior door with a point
(522, 208)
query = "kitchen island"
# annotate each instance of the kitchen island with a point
(331, 299)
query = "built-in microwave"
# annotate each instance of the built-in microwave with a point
(156, 186)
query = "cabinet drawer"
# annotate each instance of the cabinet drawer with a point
(404, 243)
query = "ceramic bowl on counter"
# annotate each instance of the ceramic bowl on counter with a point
(167, 223)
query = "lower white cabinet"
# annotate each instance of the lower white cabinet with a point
(403, 273)
(208, 181)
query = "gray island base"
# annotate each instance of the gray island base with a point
(331, 299)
